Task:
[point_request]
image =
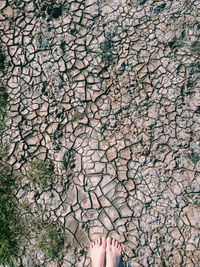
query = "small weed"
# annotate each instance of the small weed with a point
(195, 48)
(176, 43)
(3, 97)
(3, 103)
(106, 46)
(52, 241)
(2, 126)
(107, 59)
(77, 116)
(2, 60)
(194, 68)
(25, 206)
(54, 12)
(41, 173)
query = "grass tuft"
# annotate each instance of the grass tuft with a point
(41, 173)
(52, 241)
(10, 227)
(195, 48)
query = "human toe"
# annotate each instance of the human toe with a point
(103, 241)
(108, 242)
(92, 244)
(98, 241)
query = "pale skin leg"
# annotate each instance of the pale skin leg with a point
(113, 252)
(108, 249)
(98, 252)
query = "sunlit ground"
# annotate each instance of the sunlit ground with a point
(100, 131)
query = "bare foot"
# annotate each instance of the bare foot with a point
(98, 252)
(113, 252)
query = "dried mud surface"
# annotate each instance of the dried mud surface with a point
(108, 92)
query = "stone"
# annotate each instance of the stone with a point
(61, 64)
(98, 167)
(122, 176)
(104, 201)
(94, 200)
(125, 211)
(85, 203)
(79, 64)
(111, 153)
(190, 215)
(111, 170)
(33, 140)
(113, 213)
(126, 153)
(129, 185)
(8, 11)
(2, 4)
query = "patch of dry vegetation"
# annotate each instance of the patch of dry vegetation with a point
(10, 226)
(41, 173)
(51, 241)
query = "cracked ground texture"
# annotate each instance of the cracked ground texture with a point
(107, 95)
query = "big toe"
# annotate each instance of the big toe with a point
(103, 241)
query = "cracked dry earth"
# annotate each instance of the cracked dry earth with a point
(108, 92)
